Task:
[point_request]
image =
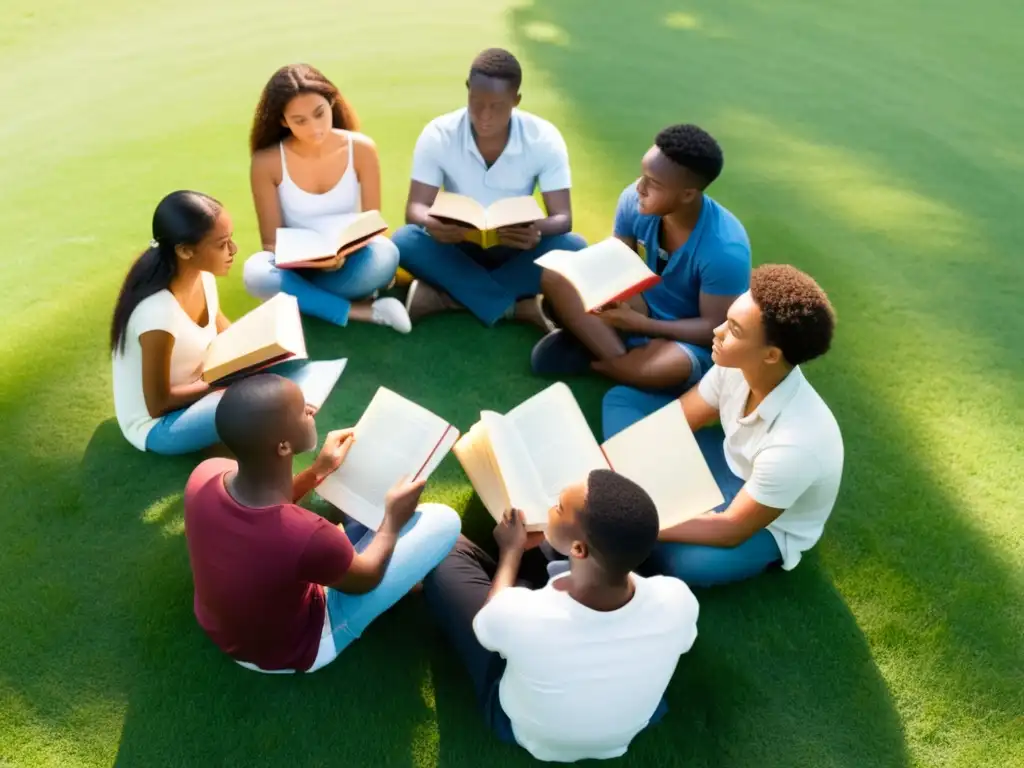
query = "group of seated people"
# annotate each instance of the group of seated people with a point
(570, 636)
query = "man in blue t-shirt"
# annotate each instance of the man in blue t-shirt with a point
(661, 339)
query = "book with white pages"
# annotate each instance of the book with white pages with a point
(394, 438)
(524, 459)
(338, 235)
(603, 273)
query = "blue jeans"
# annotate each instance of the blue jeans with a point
(696, 564)
(326, 295)
(194, 428)
(488, 282)
(423, 543)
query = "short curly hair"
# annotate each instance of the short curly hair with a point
(619, 520)
(694, 149)
(796, 313)
(499, 64)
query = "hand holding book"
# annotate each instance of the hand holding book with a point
(523, 237)
(336, 447)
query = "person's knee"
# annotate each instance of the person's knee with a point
(260, 277)
(697, 566)
(445, 524)
(618, 410)
(384, 256)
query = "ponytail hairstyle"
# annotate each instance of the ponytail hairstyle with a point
(181, 218)
(288, 82)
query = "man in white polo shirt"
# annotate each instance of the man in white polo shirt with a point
(488, 151)
(779, 460)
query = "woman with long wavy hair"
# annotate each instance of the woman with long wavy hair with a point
(309, 164)
(166, 315)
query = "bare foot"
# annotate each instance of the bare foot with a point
(424, 299)
(531, 311)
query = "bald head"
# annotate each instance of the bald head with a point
(259, 414)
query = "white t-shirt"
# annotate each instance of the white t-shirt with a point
(789, 452)
(580, 683)
(160, 312)
(446, 155)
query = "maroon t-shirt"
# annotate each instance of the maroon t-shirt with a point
(258, 572)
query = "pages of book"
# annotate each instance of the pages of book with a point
(341, 233)
(660, 454)
(394, 438)
(270, 333)
(465, 210)
(503, 213)
(605, 272)
(512, 211)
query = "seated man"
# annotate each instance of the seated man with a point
(780, 458)
(277, 587)
(661, 340)
(577, 668)
(488, 152)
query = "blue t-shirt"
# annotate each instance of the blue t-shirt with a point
(715, 259)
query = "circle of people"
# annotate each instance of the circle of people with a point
(571, 634)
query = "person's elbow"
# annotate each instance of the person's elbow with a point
(360, 578)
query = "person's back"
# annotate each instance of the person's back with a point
(248, 567)
(581, 683)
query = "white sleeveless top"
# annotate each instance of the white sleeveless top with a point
(300, 208)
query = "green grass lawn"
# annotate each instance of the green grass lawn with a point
(877, 147)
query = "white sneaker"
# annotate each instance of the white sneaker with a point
(391, 312)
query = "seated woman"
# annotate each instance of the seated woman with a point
(166, 316)
(308, 164)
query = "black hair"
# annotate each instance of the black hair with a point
(499, 64)
(796, 313)
(250, 411)
(694, 149)
(619, 521)
(181, 218)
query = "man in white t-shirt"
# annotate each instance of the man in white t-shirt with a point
(489, 150)
(778, 455)
(576, 669)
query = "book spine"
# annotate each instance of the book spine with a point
(606, 459)
(640, 287)
(431, 454)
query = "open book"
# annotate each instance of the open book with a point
(604, 273)
(526, 458)
(337, 235)
(395, 438)
(269, 334)
(484, 222)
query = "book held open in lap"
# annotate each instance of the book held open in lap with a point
(269, 334)
(484, 223)
(604, 273)
(527, 457)
(299, 248)
(395, 438)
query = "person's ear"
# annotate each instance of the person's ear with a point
(773, 355)
(579, 550)
(689, 195)
(467, 83)
(284, 448)
(519, 97)
(184, 251)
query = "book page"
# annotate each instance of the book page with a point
(395, 438)
(521, 478)
(661, 455)
(296, 245)
(601, 272)
(514, 210)
(474, 452)
(448, 205)
(271, 330)
(359, 227)
(561, 447)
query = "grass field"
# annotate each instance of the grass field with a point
(875, 144)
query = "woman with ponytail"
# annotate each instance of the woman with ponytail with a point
(166, 315)
(309, 163)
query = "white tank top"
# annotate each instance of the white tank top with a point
(300, 208)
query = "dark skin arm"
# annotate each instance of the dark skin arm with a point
(510, 534)
(161, 397)
(739, 522)
(417, 211)
(696, 330)
(559, 221)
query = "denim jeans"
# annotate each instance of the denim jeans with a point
(696, 564)
(325, 295)
(487, 282)
(194, 428)
(423, 543)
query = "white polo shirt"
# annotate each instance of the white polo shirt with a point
(789, 452)
(447, 156)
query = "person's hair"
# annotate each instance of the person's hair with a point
(182, 218)
(694, 149)
(499, 64)
(249, 412)
(285, 84)
(796, 313)
(619, 521)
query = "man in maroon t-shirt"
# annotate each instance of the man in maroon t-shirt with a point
(260, 563)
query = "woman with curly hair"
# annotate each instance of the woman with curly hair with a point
(310, 163)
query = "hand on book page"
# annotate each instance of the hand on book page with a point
(443, 231)
(400, 503)
(523, 237)
(336, 448)
(510, 532)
